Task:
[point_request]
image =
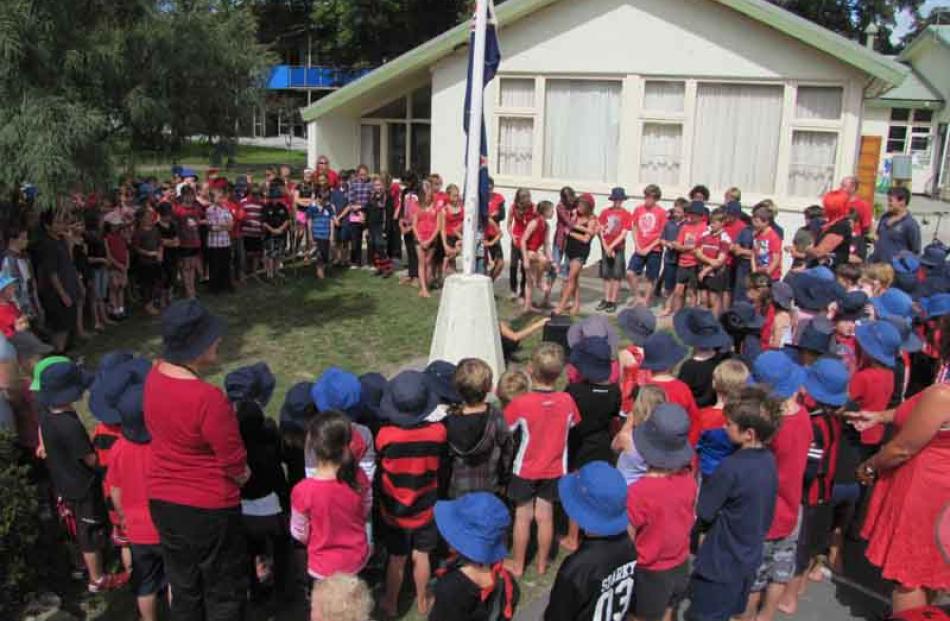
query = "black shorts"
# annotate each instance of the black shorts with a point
(399, 542)
(323, 251)
(253, 245)
(655, 591)
(92, 521)
(451, 240)
(495, 252)
(814, 538)
(687, 276)
(521, 490)
(148, 569)
(715, 281)
(59, 318)
(613, 268)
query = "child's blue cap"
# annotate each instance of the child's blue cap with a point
(778, 372)
(827, 382)
(336, 389)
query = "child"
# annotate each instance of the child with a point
(16, 265)
(512, 384)
(329, 510)
(671, 232)
(661, 355)
(699, 329)
(72, 465)
(481, 448)
(521, 214)
(848, 276)
(876, 279)
(614, 222)
(536, 251)
(377, 208)
(252, 229)
(598, 578)
(847, 312)
(648, 224)
(189, 216)
(341, 598)
(709, 436)
(408, 443)
(660, 508)
(713, 253)
(544, 416)
(451, 220)
(148, 248)
(275, 220)
(339, 390)
(744, 325)
(494, 255)
(735, 508)
(629, 461)
(476, 586)
(295, 415)
(11, 319)
(598, 403)
(425, 229)
(781, 315)
(220, 223)
(805, 237)
(638, 324)
(117, 254)
(790, 447)
(320, 214)
(686, 243)
(577, 249)
(168, 231)
(767, 257)
(872, 386)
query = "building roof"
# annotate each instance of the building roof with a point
(937, 34)
(914, 90)
(885, 71)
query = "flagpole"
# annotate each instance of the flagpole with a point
(473, 157)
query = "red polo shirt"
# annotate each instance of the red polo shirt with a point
(871, 388)
(544, 417)
(128, 468)
(790, 446)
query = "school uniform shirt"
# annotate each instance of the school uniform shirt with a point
(713, 244)
(321, 220)
(598, 405)
(544, 418)
(457, 598)
(707, 419)
(894, 236)
(409, 462)
(496, 207)
(768, 244)
(251, 224)
(187, 219)
(274, 214)
(67, 444)
(871, 388)
(745, 239)
(614, 223)
(733, 229)
(737, 503)
(689, 236)
(129, 465)
(678, 392)
(648, 224)
(790, 447)
(661, 511)
(596, 582)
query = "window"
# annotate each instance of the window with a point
(661, 153)
(370, 145)
(581, 129)
(517, 93)
(910, 131)
(396, 135)
(819, 103)
(396, 153)
(812, 167)
(736, 135)
(900, 114)
(664, 97)
(896, 138)
(515, 146)
(923, 116)
(421, 147)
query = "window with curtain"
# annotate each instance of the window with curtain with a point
(515, 146)
(581, 129)
(819, 103)
(812, 166)
(661, 153)
(517, 93)
(369, 146)
(665, 97)
(736, 136)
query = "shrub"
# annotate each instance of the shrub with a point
(19, 528)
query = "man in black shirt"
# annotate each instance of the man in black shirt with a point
(596, 582)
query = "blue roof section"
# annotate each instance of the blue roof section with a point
(284, 77)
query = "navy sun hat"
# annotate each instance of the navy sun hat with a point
(893, 302)
(936, 306)
(99, 407)
(372, 386)
(592, 357)
(254, 382)
(779, 373)
(934, 255)
(663, 439)
(637, 323)
(742, 317)
(441, 377)
(879, 340)
(813, 292)
(661, 352)
(618, 194)
(475, 525)
(593, 326)
(408, 399)
(783, 295)
(188, 330)
(596, 498)
(697, 327)
(816, 336)
(910, 342)
(852, 307)
(133, 414)
(821, 272)
(337, 389)
(121, 388)
(826, 382)
(733, 208)
(63, 384)
(696, 207)
(298, 408)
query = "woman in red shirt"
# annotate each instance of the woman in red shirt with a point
(198, 465)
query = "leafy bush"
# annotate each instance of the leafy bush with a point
(19, 528)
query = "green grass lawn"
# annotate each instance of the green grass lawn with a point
(248, 160)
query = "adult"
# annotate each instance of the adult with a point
(861, 214)
(833, 244)
(57, 279)
(909, 496)
(897, 230)
(198, 467)
(323, 168)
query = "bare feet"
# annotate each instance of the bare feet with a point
(424, 294)
(516, 571)
(568, 544)
(423, 603)
(788, 605)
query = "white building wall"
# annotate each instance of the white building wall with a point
(337, 136)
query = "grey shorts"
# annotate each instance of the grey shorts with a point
(778, 560)
(613, 268)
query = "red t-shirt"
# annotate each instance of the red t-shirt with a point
(633, 376)
(689, 236)
(453, 222)
(714, 244)
(732, 230)
(614, 223)
(118, 247)
(491, 230)
(862, 225)
(544, 417)
(129, 464)
(330, 517)
(790, 446)
(678, 392)
(871, 388)
(661, 510)
(188, 234)
(766, 244)
(9, 313)
(196, 446)
(520, 223)
(707, 419)
(238, 215)
(647, 224)
(440, 200)
(538, 236)
(495, 203)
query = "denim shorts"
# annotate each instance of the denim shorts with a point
(649, 263)
(100, 281)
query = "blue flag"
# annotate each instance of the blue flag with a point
(492, 60)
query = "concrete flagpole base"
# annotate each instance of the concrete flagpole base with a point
(467, 325)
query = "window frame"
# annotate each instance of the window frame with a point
(384, 123)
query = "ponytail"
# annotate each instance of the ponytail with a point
(328, 441)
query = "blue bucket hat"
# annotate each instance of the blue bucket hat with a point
(592, 356)
(816, 336)
(408, 399)
(778, 372)
(893, 302)
(879, 340)
(910, 342)
(813, 292)
(133, 414)
(936, 306)
(6, 280)
(618, 194)
(298, 408)
(596, 498)
(251, 383)
(663, 439)
(697, 327)
(742, 317)
(827, 382)
(188, 330)
(637, 323)
(783, 295)
(475, 525)
(593, 326)
(733, 208)
(441, 376)
(696, 207)
(821, 272)
(852, 306)
(336, 389)
(184, 173)
(63, 383)
(661, 352)
(934, 255)
(372, 386)
(99, 407)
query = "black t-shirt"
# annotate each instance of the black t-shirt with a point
(148, 240)
(67, 443)
(95, 247)
(842, 251)
(457, 598)
(595, 583)
(375, 211)
(53, 257)
(698, 374)
(598, 404)
(466, 431)
(262, 442)
(274, 214)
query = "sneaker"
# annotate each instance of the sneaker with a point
(602, 306)
(610, 308)
(109, 582)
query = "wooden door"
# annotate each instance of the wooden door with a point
(869, 160)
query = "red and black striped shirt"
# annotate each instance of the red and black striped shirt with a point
(409, 460)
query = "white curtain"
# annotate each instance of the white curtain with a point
(736, 138)
(369, 146)
(517, 93)
(581, 129)
(661, 153)
(664, 96)
(819, 102)
(515, 146)
(812, 167)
